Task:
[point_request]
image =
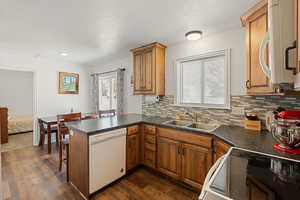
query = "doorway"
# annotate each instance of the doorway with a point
(17, 96)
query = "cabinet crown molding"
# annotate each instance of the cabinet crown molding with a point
(253, 10)
(152, 45)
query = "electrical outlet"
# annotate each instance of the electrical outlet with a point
(238, 110)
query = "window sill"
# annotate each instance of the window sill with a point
(204, 107)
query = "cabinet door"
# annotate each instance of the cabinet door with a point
(297, 34)
(297, 29)
(138, 71)
(169, 159)
(196, 162)
(256, 190)
(256, 29)
(3, 125)
(220, 149)
(132, 152)
(148, 69)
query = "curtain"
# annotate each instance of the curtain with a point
(119, 74)
(95, 92)
(120, 91)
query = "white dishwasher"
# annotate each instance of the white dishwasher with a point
(107, 158)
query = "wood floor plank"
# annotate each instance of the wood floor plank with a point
(32, 174)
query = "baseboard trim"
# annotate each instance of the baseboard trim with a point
(22, 132)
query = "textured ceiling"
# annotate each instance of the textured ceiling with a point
(93, 31)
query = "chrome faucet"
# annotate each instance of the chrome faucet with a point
(193, 115)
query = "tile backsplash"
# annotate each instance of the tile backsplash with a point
(254, 104)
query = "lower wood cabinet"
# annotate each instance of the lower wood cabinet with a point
(182, 155)
(256, 190)
(149, 145)
(169, 157)
(220, 149)
(133, 148)
(184, 161)
(196, 162)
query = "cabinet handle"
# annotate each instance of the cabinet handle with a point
(248, 84)
(178, 150)
(287, 58)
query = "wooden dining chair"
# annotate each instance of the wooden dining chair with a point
(63, 132)
(90, 116)
(44, 132)
(106, 113)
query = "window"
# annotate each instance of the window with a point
(203, 81)
(107, 93)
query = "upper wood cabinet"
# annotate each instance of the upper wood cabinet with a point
(297, 34)
(297, 29)
(149, 69)
(256, 23)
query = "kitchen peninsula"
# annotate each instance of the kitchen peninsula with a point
(152, 143)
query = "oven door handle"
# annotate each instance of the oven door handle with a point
(209, 175)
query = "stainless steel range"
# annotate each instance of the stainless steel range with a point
(248, 175)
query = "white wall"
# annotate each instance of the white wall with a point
(16, 92)
(48, 101)
(233, 39)
(132, 103)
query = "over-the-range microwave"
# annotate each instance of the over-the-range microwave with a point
(280, 39)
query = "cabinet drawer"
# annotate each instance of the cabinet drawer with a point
(150, 155)
(150, 158)
(150, 139)
(185, 136)
(149, 129)
(150, 146)
(132, 130)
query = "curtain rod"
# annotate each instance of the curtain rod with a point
(121, 69)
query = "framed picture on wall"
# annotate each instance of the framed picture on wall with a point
(68, 83)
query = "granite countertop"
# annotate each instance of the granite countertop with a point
(97, 126)
(260, 141)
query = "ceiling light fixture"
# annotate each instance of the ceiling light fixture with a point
(193, 35)
(64, 54)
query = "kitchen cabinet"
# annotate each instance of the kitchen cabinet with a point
(297, 34)
(169, 158)
(149, 69)
(3, 125)
(133, 147)
(257, 190)
(196, 162)
(220, 149)
(255, 22)
(184, 156)
(149, 146)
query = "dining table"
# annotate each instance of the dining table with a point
(51, 121)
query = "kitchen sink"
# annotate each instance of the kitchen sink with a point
(205, 127)
(178, 123)
(190, 125)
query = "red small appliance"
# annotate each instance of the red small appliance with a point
(286, 131)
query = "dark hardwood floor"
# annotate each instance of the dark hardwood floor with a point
(31, 173)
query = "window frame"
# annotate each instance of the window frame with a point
(109, 76)
(179, 94)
